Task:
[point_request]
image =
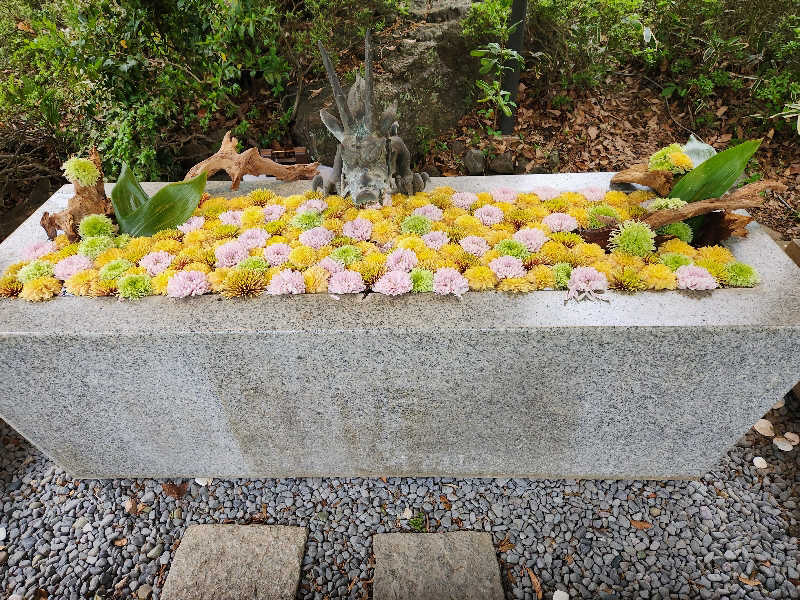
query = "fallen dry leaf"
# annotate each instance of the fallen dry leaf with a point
(506, 545)
(592, 131)
(641, 524)
(132, 506)
(747, 581)
(764, 427)
(445, 502)
(537, 585)
(793, 438)
(779, 404)
(759, 462)
(175, 491)
(782, 443)
(120, 542)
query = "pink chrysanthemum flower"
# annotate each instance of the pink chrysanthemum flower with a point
(531, 238)
(346, 282)
(316, 237)
(504, 195)
(273, 212)
(331, 266)
(586, 282)
(546, 193)
(277, 254)
(156, 262)
(287, 282)
(358, 229)
(475, 245)
(463, 199)
(393, 283)
(433, 212)
(560, 222)
(187, 283)
(692, 277)
(254, 238)
(435, 239)
(401, 259)
(192, 224)
(231, 253)
(312, 205)
(507, 266)
(593, 194)
(489, 215)
(38, 249)
(231, 217)
(67, 267)
(449, 281)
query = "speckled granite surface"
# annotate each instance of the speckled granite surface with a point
(655, 385)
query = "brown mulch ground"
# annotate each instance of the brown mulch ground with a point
(612, 128)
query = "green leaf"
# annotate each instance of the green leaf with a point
(169, 207)
(127, 195)
(715, 176)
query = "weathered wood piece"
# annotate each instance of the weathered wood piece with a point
(659, 181)
(249, 162)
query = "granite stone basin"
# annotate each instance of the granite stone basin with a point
(652, 385)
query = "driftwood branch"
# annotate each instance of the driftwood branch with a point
(88, 200)
(249, 162)
(748, 196)
(660, 181)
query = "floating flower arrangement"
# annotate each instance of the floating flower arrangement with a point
(442, 242)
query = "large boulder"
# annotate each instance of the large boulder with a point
(427, 70)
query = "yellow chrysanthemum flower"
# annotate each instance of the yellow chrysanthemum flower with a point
(136, 271)
(197, 237)
(679, 246)
(316, 279)
(617, 199)
(489, 256)
(62, 241)
(495, 236)
(451, 213)
(103, 287)
(212, 208)
(516, 285)
(160, 281)
(13, 269)
(569, 239)
(262, 197)
(681, 162)
(557, 204)
(62, 253)
(627, 279)
(216, 278)
(542, 277)
(456, 254)
(715, 267)
(80, 284)
(658, 277)
(556, 252)
(371, 267)
(197, 266)
(575, 200)
(606, 266)
(137, 248)
(716, 253)
(40, 289)
(639, 196)
(244, 283)
(252, 216)
(302, 257)
(10, 286)
(624, 260)
(107, 256)
(480, 278)
(239, 203)
(527, 200)
(335, 225)
(580, 215)
(167, 234)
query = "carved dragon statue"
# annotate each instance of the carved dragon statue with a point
(372, 161)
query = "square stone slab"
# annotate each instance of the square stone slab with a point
(236, 562)
(435, 566)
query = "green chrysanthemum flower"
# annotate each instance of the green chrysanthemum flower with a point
(346, 255)
(34, 270)
(600, 210)
(307, 220)
(254, 263)
(80, 170)
(134, 287)
(92, 225)
(670, 158)
(122, 240)
(94, 246)
(674, 260)
(741, 275)
(421, 280)
(509, 247)
(417, 224)
(680, 230)
(633, 237)
(114, 269)
(562, 272)
(666, 204)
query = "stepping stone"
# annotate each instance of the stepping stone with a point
(236, 562)
(435, 566)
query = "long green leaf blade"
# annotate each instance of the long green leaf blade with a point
(127, 196)
(715, 176)
(169, 207)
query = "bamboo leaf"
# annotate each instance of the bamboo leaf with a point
(127, 195)
(169, 207)
(716, 175)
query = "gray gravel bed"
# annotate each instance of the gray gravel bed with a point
(594, 539)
